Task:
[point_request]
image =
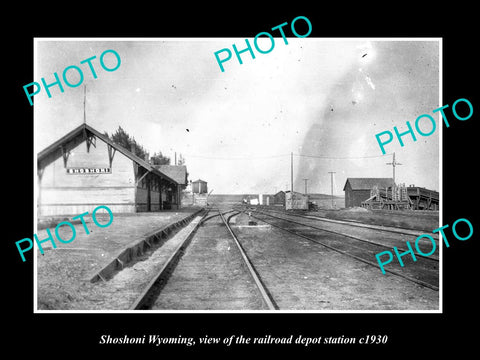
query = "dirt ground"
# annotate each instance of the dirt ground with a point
(418, 220)
(305, 276)
(367, 242)
(63, 274)
(299, 274)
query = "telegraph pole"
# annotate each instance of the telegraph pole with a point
(84, 100)
(291, 173)
(305, 185)
(331, 183)
(393, 163)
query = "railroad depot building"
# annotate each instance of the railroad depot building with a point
(85, 169)
(176, 172)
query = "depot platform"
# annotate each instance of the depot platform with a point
(62, 272)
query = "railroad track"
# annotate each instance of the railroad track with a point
(152, 297)
(362, 250)
(268, 300)
(353, 223)
(381, 246)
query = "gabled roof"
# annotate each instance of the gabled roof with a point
(199, 180)
(368, 183)
(176, 172)
(79, 135)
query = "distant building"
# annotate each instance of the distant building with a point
(298, 201)
(267, 199)
(199, 187)
(279, 198)
(358, 189)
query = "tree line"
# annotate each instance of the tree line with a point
(122, 138)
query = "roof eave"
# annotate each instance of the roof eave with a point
(84, 127)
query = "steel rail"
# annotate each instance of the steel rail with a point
(267, 298)
(342, 234)
(419, 282)
(225, 212)
(353, 223)
(143, 300)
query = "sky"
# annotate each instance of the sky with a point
(322, 99)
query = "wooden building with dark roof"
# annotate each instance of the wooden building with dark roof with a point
(176, 172)
(357, 190)
(279, 198)
(85, 169)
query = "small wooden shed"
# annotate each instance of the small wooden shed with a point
(296, 201)
(279, 198)
(199, 187)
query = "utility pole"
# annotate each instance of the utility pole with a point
(331, 183)
(84, 100)
(305, 185)
(291, 173)
(393, 163)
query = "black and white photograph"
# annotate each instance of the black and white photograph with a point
(253, 186)
(221, 180)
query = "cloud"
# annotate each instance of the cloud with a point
(406, 85)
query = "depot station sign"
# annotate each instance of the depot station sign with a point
(89, 170)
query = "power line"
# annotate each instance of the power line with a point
(340, 158)
(280, 156)
(235, 157)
